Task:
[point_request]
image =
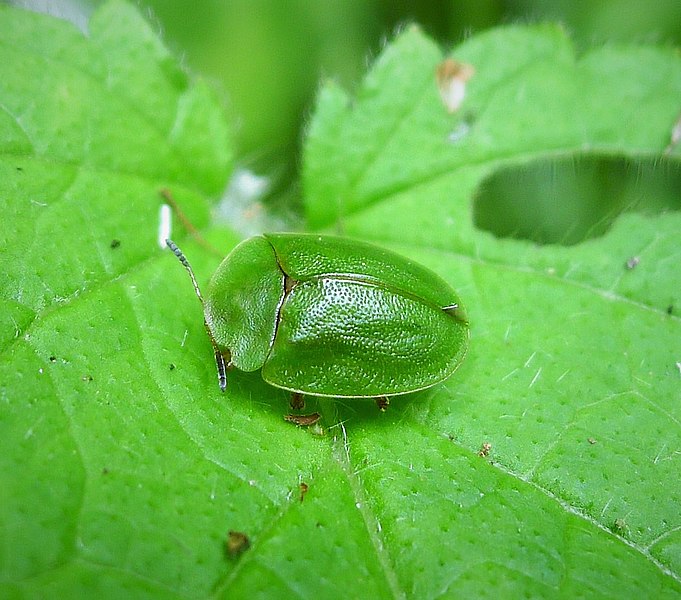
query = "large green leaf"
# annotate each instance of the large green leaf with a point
(122, 466)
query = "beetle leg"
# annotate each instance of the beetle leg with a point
(382, 402)
(303, 420)
(297, 401)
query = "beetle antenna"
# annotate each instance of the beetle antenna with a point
(185, 263)
(219, 356)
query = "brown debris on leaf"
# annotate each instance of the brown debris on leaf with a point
(452, 77)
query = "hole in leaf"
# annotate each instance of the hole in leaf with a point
(566, 201)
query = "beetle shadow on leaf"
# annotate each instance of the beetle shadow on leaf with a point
(250, 388)
(366, 410)
(244, 389)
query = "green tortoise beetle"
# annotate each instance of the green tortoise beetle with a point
(329, 316)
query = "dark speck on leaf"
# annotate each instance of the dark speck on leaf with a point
(619, 526)
(632, 263)
(236, 543)
(115, 244)
(485, 449)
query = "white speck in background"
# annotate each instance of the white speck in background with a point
(164, 224)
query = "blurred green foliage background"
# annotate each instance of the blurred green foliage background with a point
(268, 59)
(269, 56)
